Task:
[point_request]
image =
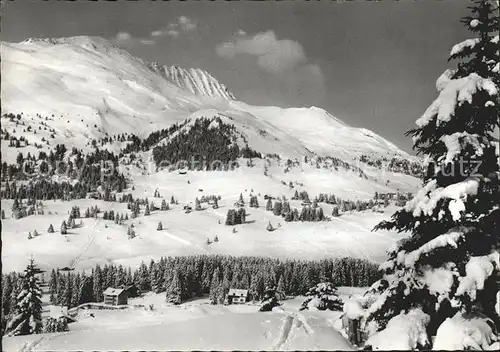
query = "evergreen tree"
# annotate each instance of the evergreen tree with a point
(160, 226)
(50, 229)
(17, 210)
(241, 201)
(323, 296)
(164, 205)
(147, 211)
(197, 204)
(454, 219)
(269, 205)
(174, 289)
(216, 290)
(7, 288)
(241, 216)
(270, 300)
(231, 217)
(285, 208)
(85, 292)
(277, 208)
(335, 211)
(3, 214)
(172, 200)
(27, 318)
(97, 284)
(319, 215)
(64, 229)
(53, 286)
(130, 232)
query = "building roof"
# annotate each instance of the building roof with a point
(110, 291)
(57, 312)
(237, 292)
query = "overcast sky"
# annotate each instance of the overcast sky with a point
(371, 64)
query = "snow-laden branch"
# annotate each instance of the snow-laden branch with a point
(453, 93)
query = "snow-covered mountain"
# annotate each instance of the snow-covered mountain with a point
(92, 87)
(74, 91)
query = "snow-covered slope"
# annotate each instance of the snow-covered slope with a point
(196, 81)
(72, 90)
(93, 88)
(195, 325)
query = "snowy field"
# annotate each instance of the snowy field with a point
(103, 241)
(195, 325)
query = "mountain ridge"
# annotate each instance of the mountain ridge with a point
(125, 94)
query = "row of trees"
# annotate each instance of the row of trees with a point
(190, 276)
(284, 210)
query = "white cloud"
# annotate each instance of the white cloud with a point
(173, 33)
(125, 39)
(186, 24)
(273, 55)
(147, 41)
(122, 36)
(181, 24)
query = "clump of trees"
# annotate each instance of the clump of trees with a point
(198, 274)
(270, 300)
(235, 217)
(211, 142)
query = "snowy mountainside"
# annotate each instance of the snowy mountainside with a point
(196, 81)
(124, 94)
(76, 91)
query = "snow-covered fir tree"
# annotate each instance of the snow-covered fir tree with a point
(27, 318)
(130, 232)
(174, 289)
(64, 228)
(269, 205)
(164, 205)
(160, 226)
(270, 300)
(450, 264)
(216, 289)
(323, 296)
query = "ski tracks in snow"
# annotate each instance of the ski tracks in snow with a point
(292, 322)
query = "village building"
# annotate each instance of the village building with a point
(237, 296)
(131, 290)
(115, 296)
